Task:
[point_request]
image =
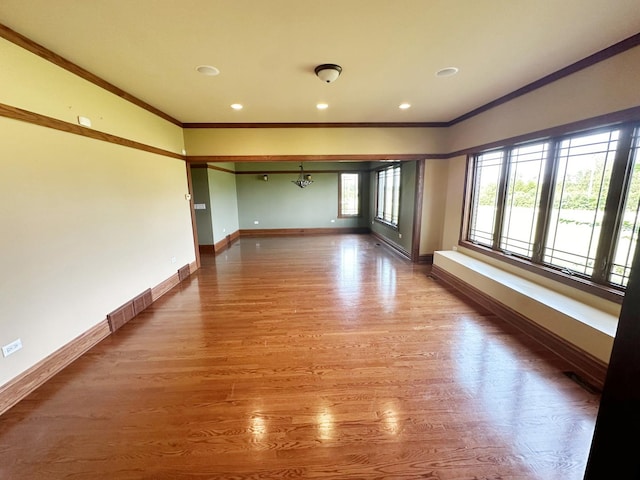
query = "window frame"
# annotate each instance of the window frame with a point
(599, 282)
(341, 214)
(396, 195)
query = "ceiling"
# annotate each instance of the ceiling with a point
(266, 51)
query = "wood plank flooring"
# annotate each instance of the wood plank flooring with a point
(322, 357)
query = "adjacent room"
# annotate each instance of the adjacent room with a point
(340, 239)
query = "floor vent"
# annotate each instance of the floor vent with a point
(142, 301)
(120, 316)
(126, 312)
(582, 382)
(184, 272)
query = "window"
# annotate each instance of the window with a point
(349, 195)
(485, 197)
(625, 244)
(571, 204)
(524, 183)
(388, 204)
(577, 208)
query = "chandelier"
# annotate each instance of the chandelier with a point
(303, 180)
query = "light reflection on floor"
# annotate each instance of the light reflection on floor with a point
(504, 392)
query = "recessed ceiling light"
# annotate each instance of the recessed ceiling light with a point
(207, 70)
(236, 106)
(322, 106)
(447, 72)
(404, 106)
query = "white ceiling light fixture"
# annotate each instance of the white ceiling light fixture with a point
(207, 70)
(322, 106)
(404, 106)
(447, 72)
(236, 106)
(328, 72)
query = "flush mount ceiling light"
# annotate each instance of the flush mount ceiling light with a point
(207, 70)
(322, 106)
(236, 106)
(447, 72)
(303, 180)
(328, 72)
(404, 106)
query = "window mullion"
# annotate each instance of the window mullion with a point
(501, 198)
(546, 194)
(614, 207)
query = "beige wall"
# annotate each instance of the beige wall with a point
(434, 203)
(606, 87)
(86, 224)
(609, 86)
(454, 201)
(31, 83)
(314, 141)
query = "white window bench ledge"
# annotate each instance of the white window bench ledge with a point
(581, 334)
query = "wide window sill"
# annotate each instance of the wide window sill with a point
(609, 293)
(385, 223)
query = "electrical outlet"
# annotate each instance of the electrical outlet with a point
(256, 222)
(12, 347)
(173, 259)
(333, 220)
(399, 235)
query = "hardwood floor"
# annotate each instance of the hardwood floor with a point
(306, 357)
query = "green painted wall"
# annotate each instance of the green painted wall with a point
(223, 197)
(200, 185)
(279, 203)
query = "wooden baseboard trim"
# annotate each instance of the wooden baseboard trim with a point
(164, 287)
(28, 381)
(586, 365)
(226, 242)
(184, 273)
(276, 232)
(395, 247)
(207, 249)
(193, 267)
(426, 259)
